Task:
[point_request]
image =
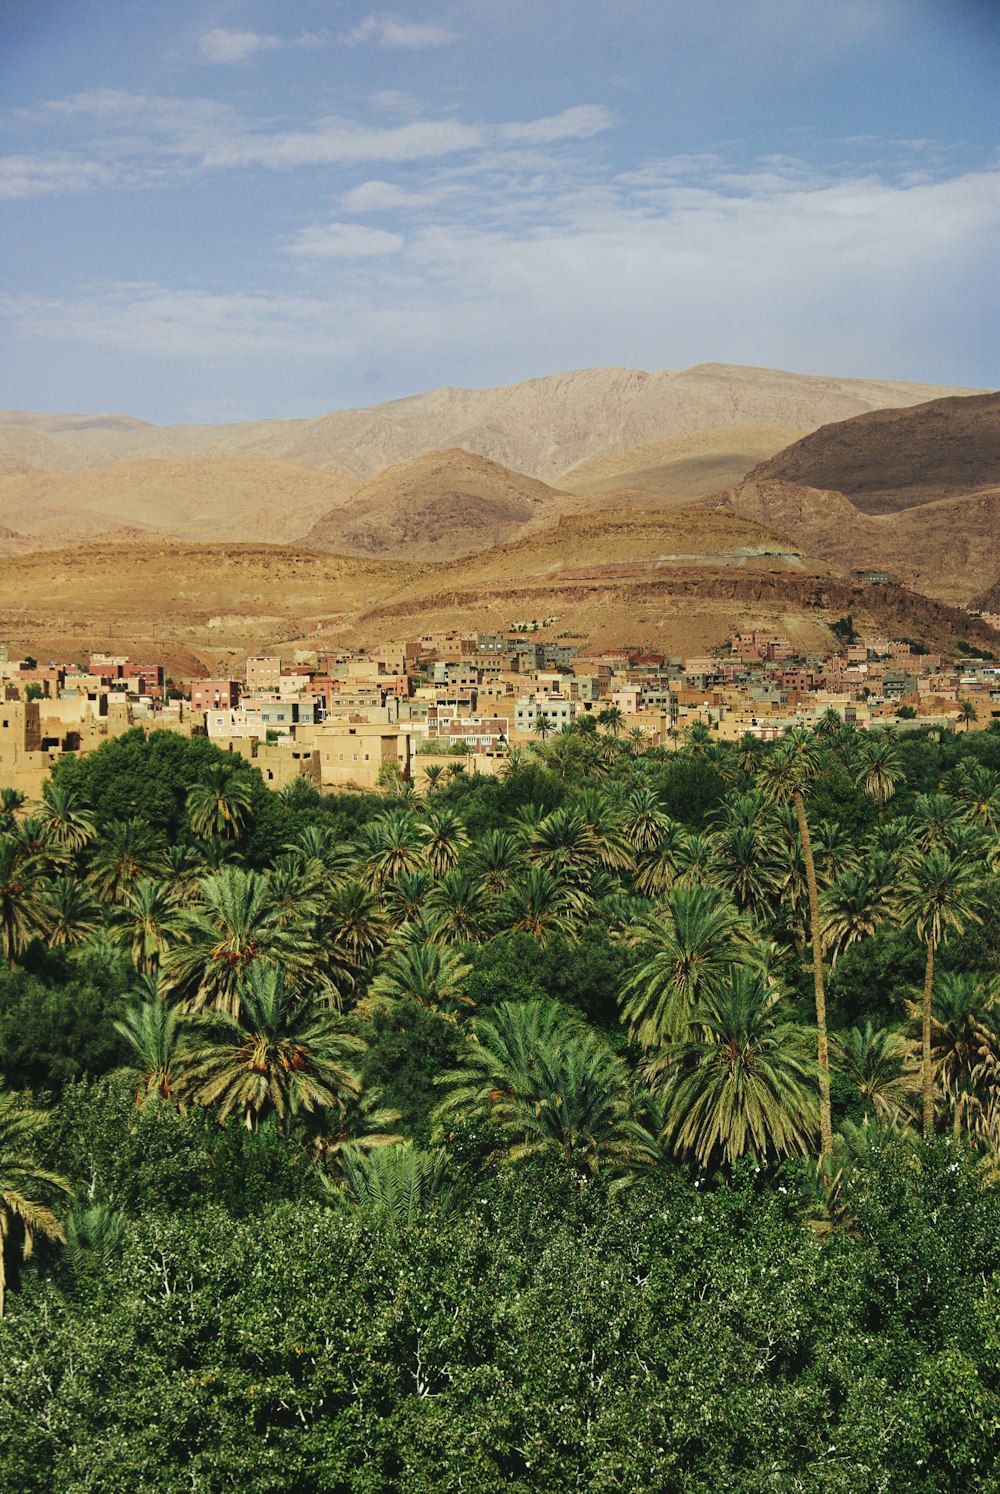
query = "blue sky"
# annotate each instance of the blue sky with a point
(237, 208)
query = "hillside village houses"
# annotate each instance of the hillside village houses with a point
(363, 718)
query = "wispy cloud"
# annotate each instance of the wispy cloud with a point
(578, 123)
(387, 31)
(232, 47)
(38, 176)
(345, 241)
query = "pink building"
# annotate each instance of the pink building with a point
(215, 695)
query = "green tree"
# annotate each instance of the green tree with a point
(27, 1189)
(743, 1083)
(154, 1035)
(433, 976)
(282, 1054)
(22, 897)
(220, 804)
(938, 896)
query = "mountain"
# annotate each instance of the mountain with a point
(190, 499)
(894, 459)
(684, 467)
(433, 507)
(541, 426)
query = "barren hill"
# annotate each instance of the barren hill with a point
(894, 459)
(679, 580)
(193, 499)
(433, 507)
(684, 467)
(541, 426)
(949, 549)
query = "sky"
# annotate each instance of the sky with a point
(216, 210)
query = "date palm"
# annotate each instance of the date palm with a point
(658, 869)
(977, 789)
(27, 1190)
(934, 818)
(398, 1185)
(965, 1052)
(857, 905)
(690, 946)
(405, 899)
(149, 922)
(445, 837)
(70, 914)
(879, 766)
(746, 863)
(128, 851)
(435, 977)
(542, 904)
(23, 900)
(233, 926)
(938, 896)
(564, 845)
(282, 1054)
(12, 801)
(612, 718)
(389, 846)
(880, 1066)
(355, 926)
(220, 804)
(154, 1034)
(834, 851)
(644, 822)
(551, 1085)
(459, 910)
(495, 860)
(744, 1083)
(785, 778)
(69, 825)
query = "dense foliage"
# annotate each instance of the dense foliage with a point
(629, 1120)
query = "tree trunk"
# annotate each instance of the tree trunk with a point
(822, 1045)
(926, 1073)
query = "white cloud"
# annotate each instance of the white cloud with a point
(380, 197)
(230, 47)
(578, 123)
(38, 176)
(344, 141)
(386, 31)
(345, 241)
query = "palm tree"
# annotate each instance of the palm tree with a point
(126, 852)
(69, 826)
(355, 925)
(785, 778)
(541, 904)
(22, 897)
(282, 1054)
(12, 801)
(543, 725)
(220, 804)
(27, 1189)
(426, 973)
(70, 915)
(153, 1032)
(834, 851)
(938, 896)
(934, 818)
(399, 1185)
(389, 846)
(612, 718)
(879, 1065)
(445, 837)
(658, 868)
(691, 945)
(967, 712)
(459, 910)
(857, 904)
(978, 790)
(644, 822)
(744, 1082)
(495, 860)
(965, 1051)
(697, 739)
(149, 922)
(404, 899)
(233, 926)
(551, 1085)
(565, 845)
(433, 775)
(879, 766)
(745, 862)
(638, 738)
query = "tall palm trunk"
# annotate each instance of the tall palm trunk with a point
(822, 1044)
(926, 1073)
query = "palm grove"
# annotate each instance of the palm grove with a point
(628, 1120)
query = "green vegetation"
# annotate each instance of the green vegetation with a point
(629, 1120)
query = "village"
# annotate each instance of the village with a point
(410, 710)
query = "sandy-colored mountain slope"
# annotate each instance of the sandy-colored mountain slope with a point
(541, 426)
(949, 549)
(195, 607)
(678, 580)
(251, 501)
(663, 578)
(683, 468)
(895, 459)
(433, 507)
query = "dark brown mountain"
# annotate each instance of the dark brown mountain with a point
(887, 460)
